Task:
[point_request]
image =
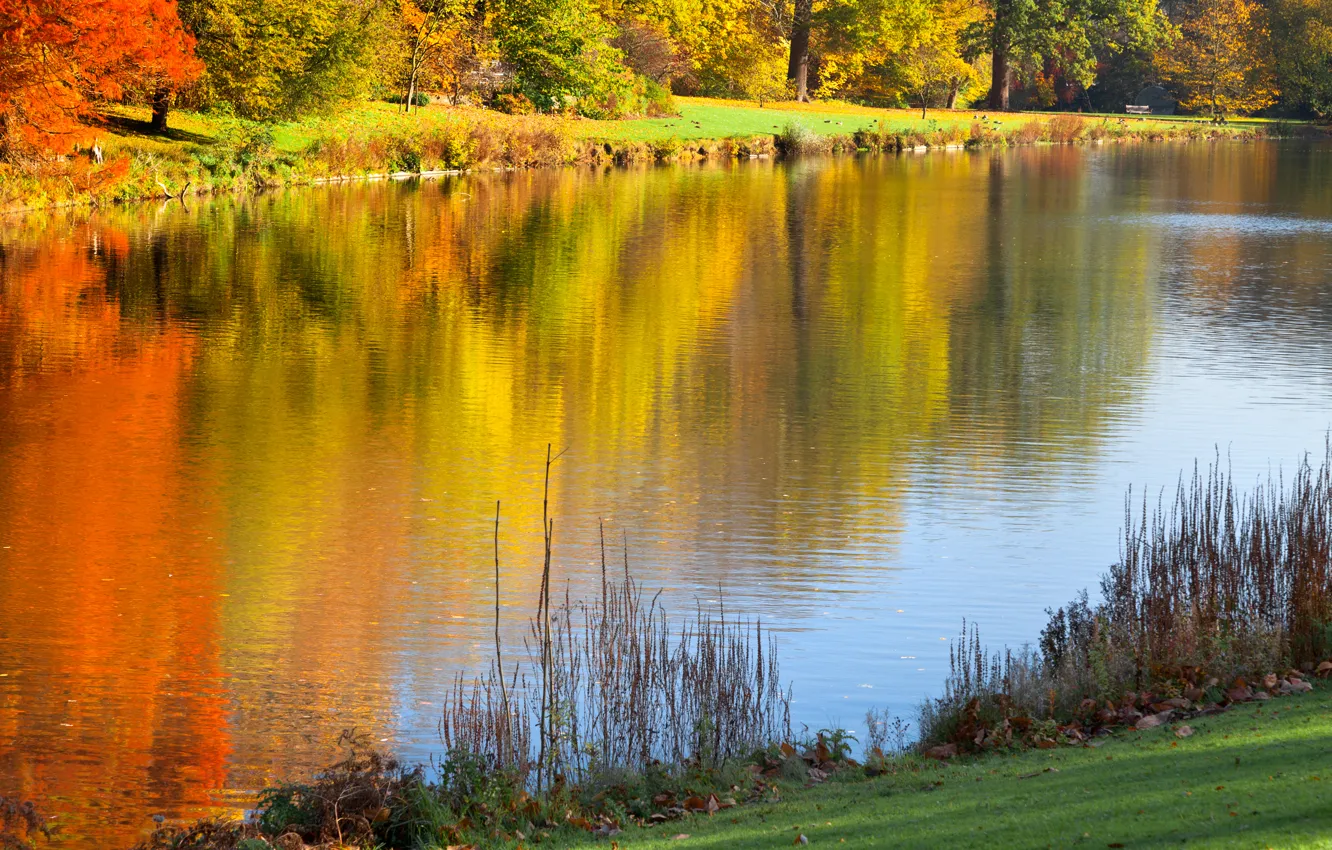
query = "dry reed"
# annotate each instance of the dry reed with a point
(1219, 584)
(612, 685)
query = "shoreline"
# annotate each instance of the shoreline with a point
(210, 157)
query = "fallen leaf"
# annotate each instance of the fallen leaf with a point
(788, 750)
(1183, 731)
(800, 839)
(681, 837)
(694, 804)
(1046, 744)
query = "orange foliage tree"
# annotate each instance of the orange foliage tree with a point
(59, 56)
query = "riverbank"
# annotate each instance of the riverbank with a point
(205, 154)
(1253, 774)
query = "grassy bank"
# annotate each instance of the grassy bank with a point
(1254, 775)
(204, 154)
(1259, 775)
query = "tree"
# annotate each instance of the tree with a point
(441, 40)
(59, 56)
(858, 39)
(1303, 28)
(1073, 34)
(934, 65)
(1220, 64)
(931, 69)
(560, 50)
(761, 72)
(271, 59)
(797, 69)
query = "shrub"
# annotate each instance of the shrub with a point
(657, 100)
(666, 150)
(798, 140)
(418, 98)
(514, 103)
(1028, 134)
(1065, 129)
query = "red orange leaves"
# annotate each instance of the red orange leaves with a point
(58, 55)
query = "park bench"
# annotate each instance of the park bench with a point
(1134, 109)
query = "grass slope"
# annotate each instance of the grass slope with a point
(700, 118)
(1257, 776)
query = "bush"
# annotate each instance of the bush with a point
(796, 139)
(1065, 129)
(514, 103)
(657, 100)
(1028, 134)
(418, 98)
(666, 150)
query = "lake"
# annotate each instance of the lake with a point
(250, 448)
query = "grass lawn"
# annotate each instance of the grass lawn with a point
(706, 118)
(1258, 776)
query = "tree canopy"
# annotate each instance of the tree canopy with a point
(280, 59)
(58, 56)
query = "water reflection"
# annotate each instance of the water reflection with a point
(249, 450)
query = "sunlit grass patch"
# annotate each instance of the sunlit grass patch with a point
(1253, 777)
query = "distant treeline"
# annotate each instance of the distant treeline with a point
(277, 59)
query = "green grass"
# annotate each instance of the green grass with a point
(705, 118)
(1257, 776)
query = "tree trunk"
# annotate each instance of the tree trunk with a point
(161, 105)
(1000, 78)
(797, 69)
(952, 93)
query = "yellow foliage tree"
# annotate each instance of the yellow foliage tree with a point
(1221, 62)
(934, 66)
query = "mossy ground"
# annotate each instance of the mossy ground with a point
(1257, 776)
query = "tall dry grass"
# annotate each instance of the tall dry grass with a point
(1220, 582)
(614, 684)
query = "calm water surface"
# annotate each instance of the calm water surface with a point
(250, 450)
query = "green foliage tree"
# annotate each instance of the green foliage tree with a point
(560, 53)
(1074, 34)
(1303, 63)
(279, 58)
